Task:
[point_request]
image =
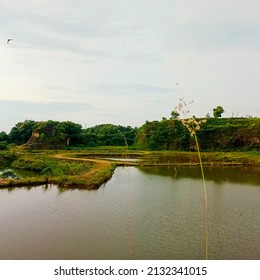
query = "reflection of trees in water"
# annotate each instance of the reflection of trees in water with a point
(171, 159)
(244, 175)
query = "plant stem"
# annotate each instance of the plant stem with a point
(205, 197)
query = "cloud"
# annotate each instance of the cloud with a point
(220, 35)
(123, 59)
(26, 106)
(132, 89)
(93, 29)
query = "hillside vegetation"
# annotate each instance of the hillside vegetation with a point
(216, 134)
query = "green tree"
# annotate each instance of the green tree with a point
(163, 135)
(3, 136)
(174, 114)
(22, 132)
(217, 112)
(3, 140)
(70, 131)
(109, 135)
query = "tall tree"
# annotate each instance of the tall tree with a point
(174, 114)
(217, 112)
(3, 136)
(22, 131)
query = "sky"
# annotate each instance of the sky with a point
(127, 61)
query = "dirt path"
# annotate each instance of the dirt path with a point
(100, 162)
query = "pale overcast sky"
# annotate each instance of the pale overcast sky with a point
(127, 61)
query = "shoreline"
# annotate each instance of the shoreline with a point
(102, 169)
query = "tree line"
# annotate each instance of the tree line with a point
(168, 134)
(67, 133)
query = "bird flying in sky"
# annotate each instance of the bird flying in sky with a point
(8, 41)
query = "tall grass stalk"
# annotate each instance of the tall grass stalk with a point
(205, 198)
(193, 125)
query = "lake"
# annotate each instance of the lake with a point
(141, 213)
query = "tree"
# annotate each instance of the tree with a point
(3, 136)
(174, 114)
(69, 130)
(163, 135)
(109, 134)
(22, 132)
(217, 112)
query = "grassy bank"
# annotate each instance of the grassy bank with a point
(172, 157)
(89, 169)
(208, 158)
(65, 172)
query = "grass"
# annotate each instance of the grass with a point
(83, 168)
(64, 171)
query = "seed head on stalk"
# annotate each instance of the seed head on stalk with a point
(193, 125)
(190, 123)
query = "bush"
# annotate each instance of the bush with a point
(3, 145)
(8, 174)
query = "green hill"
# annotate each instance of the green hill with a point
(216, 134)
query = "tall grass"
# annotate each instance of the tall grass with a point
(205, 198)
(193, 125)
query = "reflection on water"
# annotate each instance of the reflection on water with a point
(121, 159)
(154, 210)
(234, 174)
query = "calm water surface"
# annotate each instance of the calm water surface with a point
(158, 212)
